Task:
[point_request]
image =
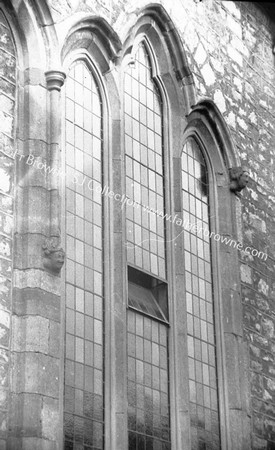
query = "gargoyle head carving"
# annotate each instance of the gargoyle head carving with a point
(54, 256)
(239, 177)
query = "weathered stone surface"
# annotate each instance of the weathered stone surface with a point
(29, 252)
(36, 302)
(50, 419)
(4, 366)
(25, 414)
(34, 278)
(54, 339)
(35, 120)
(7, 171)
(228, 47)
(37, 220)
(41, 374)
(241, 439)
(233, 322)
(30, 334)
(4, 394)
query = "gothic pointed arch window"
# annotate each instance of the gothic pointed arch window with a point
(83, 391)
(147, 314)
(203, 385)
(144, 166)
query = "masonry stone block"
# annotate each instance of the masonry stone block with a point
(34, 278)
(41, 374)
(228, 259)
(240, 437)
(37, 220)
(3, 423)
(25, 414)
(232, 312)
(6, 120)
(118, 189)
(232, 364)
(4, 398)
(29, 252)
(33, 166)
(252, 318)
(177, 184)
(5, 247)
(118, 251)
(30, 301)
(4, 366)
(34, 76)
(244, 365)
(4, 335)
(265, 408)
(35, 118)
(50, 419)
(5, 183)
(6, 224)
(259, 443)
(178, 251)
(6, 203)
(268, 327)
(30, 334)
(54, 339)
(246, 274)
(5, 290)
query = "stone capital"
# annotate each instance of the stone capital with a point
(55, 79)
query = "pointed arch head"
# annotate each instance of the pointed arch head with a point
(155, 23)
(35, 38)
(96, 36)
(205, 120)
(91, 38)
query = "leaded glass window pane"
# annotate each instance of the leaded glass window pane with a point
(83, 396)
(147, 337)
(148, 396)
(144, 168)
(203, 386)
(142, 299)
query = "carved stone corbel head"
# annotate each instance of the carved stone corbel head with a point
(54, 256)
(239, 177)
